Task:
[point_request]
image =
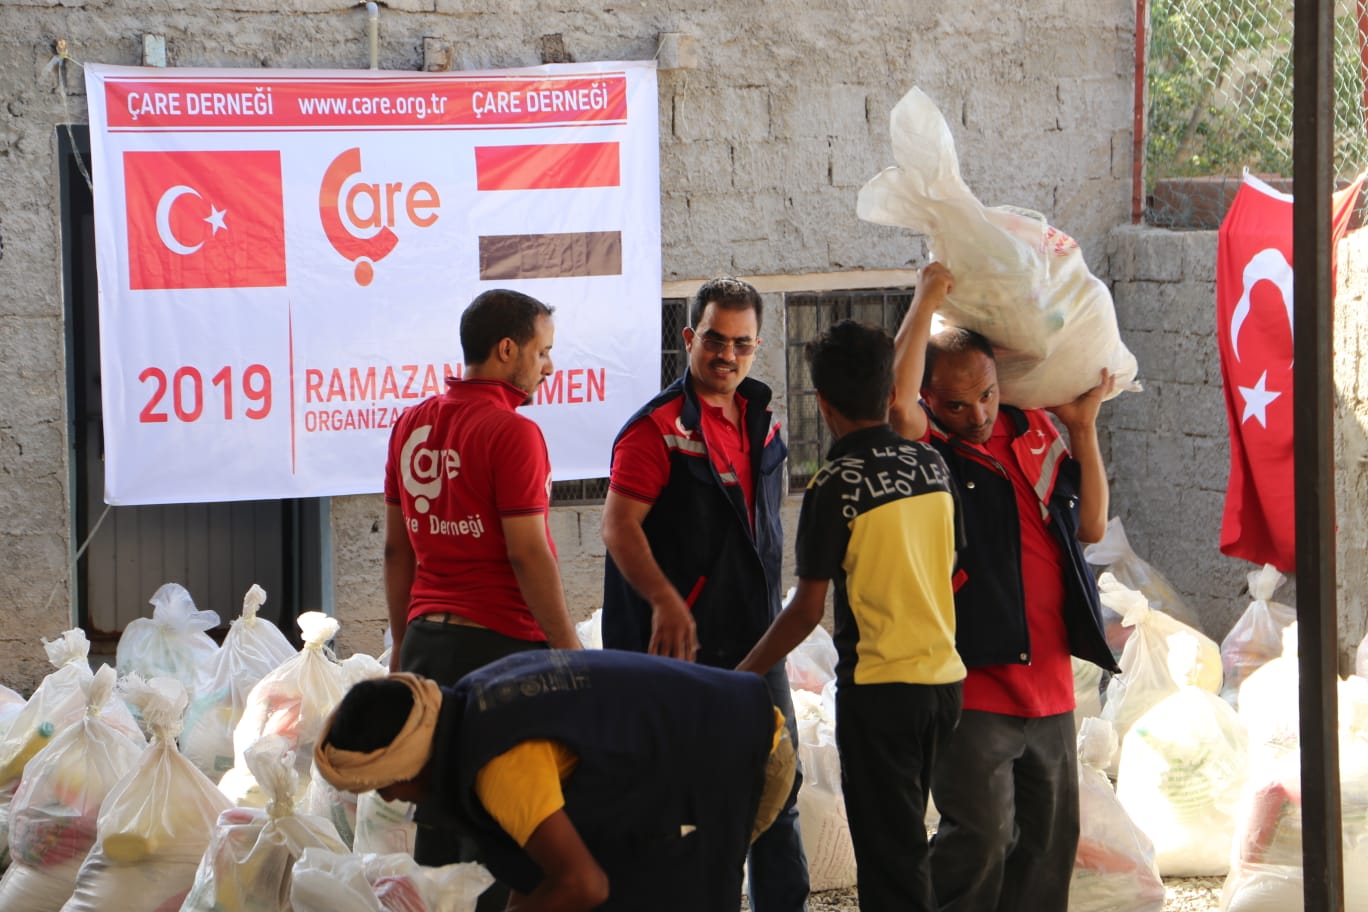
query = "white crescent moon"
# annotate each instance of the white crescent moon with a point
(1268, 264)
(164, 219)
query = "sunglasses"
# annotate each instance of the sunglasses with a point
(718, 346)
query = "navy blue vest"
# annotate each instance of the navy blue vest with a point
(671, 763)
(702, 539)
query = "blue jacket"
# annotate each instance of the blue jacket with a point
(700, 533)
(663, 810)
(990, 606)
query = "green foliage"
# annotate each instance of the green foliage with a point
(1219, 79)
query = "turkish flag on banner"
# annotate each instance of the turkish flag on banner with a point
(204, 220)
(1254, 335)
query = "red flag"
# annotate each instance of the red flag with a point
(1254, 335)
(204, 220)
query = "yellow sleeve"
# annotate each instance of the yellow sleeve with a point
(522, 786)
(778, 730)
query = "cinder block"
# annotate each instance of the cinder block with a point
(1160, 257)
(816, 110)
(738, 114)
(701, 166)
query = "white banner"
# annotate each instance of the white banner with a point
(284, 257)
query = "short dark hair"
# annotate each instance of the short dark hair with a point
(727, 293)
(495, 315)
(852, 367)
(954, 340)
(370, 715)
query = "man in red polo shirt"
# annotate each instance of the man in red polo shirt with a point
(1006, 783)
(470, 568)
(691, 525)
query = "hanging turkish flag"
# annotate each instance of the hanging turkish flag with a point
(1254, 335)
(204, 220)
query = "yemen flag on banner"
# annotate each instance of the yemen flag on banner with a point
(1254, 335)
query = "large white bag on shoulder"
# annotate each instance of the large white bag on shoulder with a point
(1020, 282)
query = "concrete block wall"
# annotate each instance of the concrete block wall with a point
(1167, 448)
(764, 145)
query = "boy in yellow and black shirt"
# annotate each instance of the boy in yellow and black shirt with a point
(880, 519)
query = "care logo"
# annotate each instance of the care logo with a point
(423, 468)
(359, 216)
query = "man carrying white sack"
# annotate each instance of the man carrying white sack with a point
(590, 779)
(1006, 783)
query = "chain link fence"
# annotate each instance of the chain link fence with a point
(1218, 79)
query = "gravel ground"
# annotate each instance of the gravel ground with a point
(1181, 894)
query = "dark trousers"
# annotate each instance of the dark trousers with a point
(446, 653)
(777, 864)
(889, 736)
(1007, 790)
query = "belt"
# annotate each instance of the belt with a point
(442, 617)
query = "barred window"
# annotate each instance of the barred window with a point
(674, 316)
(808, 313)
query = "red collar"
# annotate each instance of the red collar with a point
(499, 391)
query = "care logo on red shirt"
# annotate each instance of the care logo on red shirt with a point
(204, 220)
(422, 468)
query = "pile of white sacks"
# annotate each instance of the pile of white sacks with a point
(188, 783)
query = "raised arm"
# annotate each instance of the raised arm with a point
(1080, 419)
(673, 632)
(539, 578)
(909, 354)
(399, 569)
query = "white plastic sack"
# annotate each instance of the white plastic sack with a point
(590, 630)
(1266, 872)
(1114, 870)
(57, 703)
(1268, 700)
(172, 643)
(812, 663)
(1115, 555)
(1183, 764)
(329, 882)
(320, 798)
(1145, 679)
(54, 811)
(249, 864)
(155, 822)
(821, 804)
(383, 827)
(1256, 637)
(11, 702)
(1087, 691)
(253, 648)
(1021, 283)
(293, 701)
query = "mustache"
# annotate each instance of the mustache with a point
(721, 362)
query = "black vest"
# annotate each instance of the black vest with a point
(990, 606)
(671, 763)
(702, 539)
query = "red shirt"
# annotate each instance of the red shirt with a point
(459, 463)
(1044, 687)
(641, 457)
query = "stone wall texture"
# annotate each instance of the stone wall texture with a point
(764, 143)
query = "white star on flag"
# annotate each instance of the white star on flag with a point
(215, 218)
(1257, 399)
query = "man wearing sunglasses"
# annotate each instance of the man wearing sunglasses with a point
(691, 524)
